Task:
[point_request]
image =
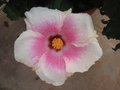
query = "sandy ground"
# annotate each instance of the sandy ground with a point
(104, 75)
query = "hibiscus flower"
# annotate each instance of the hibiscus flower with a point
(57, 44)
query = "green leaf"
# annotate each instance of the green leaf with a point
(112, 30)
(16, 8)
(112, 9)
(12, 13)
(59, 4)
(2, 2)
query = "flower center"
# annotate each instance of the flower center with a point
(57, 43)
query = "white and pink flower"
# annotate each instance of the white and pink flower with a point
(57, 44)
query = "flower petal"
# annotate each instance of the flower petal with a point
(72, 52)
(47, 29)
(38, 16)
(29, 47)
(53, 69)
(78, 29)
(85, 59)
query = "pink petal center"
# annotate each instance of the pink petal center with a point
(55, 62)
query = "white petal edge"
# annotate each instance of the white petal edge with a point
(85, 61)
(83, 23)
(38, 15)
(50, 77)
(22, 45)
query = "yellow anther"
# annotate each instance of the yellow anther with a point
(57, 43)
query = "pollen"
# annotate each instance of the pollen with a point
(57, 43)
